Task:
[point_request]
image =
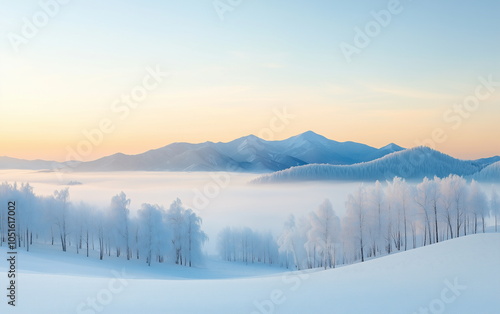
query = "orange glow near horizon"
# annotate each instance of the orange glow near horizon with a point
(226, 80)
(50, 136)
(131, 145)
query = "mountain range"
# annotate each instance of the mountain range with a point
(246, 154)
(307, 156)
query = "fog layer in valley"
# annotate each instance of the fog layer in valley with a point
(220, 199)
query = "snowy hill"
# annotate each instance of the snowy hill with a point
(487, 161)
(489, 173)
(415, 163)
(456, 276)
(246, 154)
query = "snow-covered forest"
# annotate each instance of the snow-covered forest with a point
(153, 233)
(412, 164)
(380, 219)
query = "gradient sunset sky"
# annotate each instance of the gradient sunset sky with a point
(227, 76)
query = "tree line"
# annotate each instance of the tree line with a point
(152, 233)
(380, 219)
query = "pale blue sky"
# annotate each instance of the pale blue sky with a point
(228, 75)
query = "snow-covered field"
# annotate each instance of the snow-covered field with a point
(456, 276)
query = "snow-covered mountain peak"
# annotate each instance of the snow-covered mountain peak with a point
(392, 147)
(311, 136)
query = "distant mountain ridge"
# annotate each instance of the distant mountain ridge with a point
(246, 154)
(411, 164)
(16, 163)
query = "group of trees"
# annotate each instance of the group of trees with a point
(311, 242)
(151, 233)
(381, 219)
(308, 243)
(248, 246)
(399, 216)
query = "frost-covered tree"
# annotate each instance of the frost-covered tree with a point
(248, 246)
(402, 198)
(101, 224)
(292, 241)
(477, 205)
(226, 245)
(376, 217)
(324, 233)
(61, 215)
(26, 214)
(194, 237)
(395, 209)
(155, 234)
(119, 212)
(85, 218)
(453, 189)
(290, 244)
(152, 231)
(495, 207)
(434, 192)
(426, 203)
(185, 234)
(176, 225)
(355, 219)
(446, 205)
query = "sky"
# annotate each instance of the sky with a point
(375, 72)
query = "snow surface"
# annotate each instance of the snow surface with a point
(408, 282)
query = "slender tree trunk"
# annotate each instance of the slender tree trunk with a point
(436, 222)
(87, 243)
(496, 222)
(450, 227)
(27, 241)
